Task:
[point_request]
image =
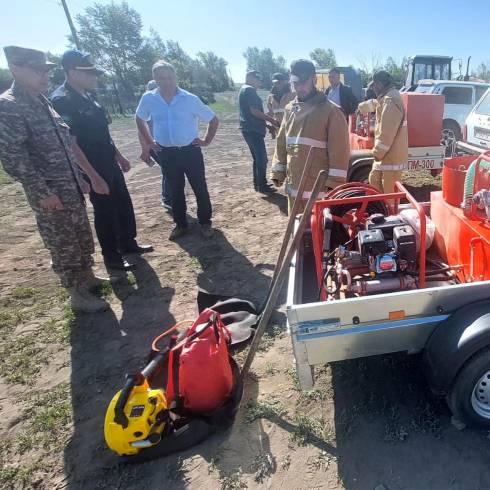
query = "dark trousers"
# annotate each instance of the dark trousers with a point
(177, 164)
(255, 142)
(166, 197)
(114, 219)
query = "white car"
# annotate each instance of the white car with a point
(460, 98)
(477, 128)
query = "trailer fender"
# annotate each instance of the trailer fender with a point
(360, 164)
(454, 341)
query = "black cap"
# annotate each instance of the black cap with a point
(278, 77)
(76, 60)
(383, 77)
(254, 73)
(302, 70)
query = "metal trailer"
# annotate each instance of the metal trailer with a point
(449, 324)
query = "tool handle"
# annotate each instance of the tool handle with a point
(283, 270)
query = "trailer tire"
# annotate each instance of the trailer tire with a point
(361, 174)
(469, 396)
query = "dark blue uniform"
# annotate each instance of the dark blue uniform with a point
(114, 218)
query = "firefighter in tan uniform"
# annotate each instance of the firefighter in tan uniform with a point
(390, 134)
(313, 131)
(280, 96)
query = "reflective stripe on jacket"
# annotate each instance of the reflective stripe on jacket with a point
(313, 130)
(390, 134)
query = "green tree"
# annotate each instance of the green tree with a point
(111, 33)
(397, 71)
(264, 61)
(323, 58)
(216, 74)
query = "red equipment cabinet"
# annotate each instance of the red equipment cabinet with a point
(424, 113)
(463, 238)
(424, 118)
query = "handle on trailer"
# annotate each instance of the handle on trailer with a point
(281, 275)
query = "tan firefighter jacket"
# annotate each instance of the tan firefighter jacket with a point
(390, 133)
(276, 109)
(314, 130)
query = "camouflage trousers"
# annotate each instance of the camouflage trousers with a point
(67, 235)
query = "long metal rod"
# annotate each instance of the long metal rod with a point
(283, 270)
(70, 23)
(292, 216)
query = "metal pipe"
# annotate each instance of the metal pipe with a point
(292, 216)
(282, 272)
(423, 237)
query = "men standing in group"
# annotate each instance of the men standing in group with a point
(114, 219)
(175, 115)
(36, 149)
(341, 94)
(253, 126)
(280, 95)
(314, 133)
(390, 149)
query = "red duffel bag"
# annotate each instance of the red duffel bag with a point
(200, 378)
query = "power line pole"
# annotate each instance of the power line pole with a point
(70, 23)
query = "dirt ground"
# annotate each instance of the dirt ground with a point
(368, 424)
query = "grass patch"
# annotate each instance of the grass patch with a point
(5, 178)
(309, 428)
(263, 466)
(223, 107)
(106, 291)
(22, 358)
(232, 481)
(268, 409)
(25, 354)
(50, 416)
(130, 278)
(21, 292)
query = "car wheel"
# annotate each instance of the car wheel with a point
(469, 398)
(450, 134)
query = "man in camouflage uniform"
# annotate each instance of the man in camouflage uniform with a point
(36, 150)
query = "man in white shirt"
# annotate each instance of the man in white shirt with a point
(175, 115)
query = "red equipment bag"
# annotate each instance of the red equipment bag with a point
(200, 377)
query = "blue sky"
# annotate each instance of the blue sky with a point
(357, 30)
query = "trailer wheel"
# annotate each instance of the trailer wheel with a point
(469, 397)
(361, 174)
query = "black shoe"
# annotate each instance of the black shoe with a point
(119, 265)
(137, 249)
(266, 190)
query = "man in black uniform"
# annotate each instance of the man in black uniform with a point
(115, 223)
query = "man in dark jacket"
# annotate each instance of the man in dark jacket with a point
(341, 94)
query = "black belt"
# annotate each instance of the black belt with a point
(173, 148)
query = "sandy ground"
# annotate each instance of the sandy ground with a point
(369, 424)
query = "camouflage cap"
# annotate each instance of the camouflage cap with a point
(26, 57)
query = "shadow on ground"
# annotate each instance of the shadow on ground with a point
(392, 431)
(104, 349)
